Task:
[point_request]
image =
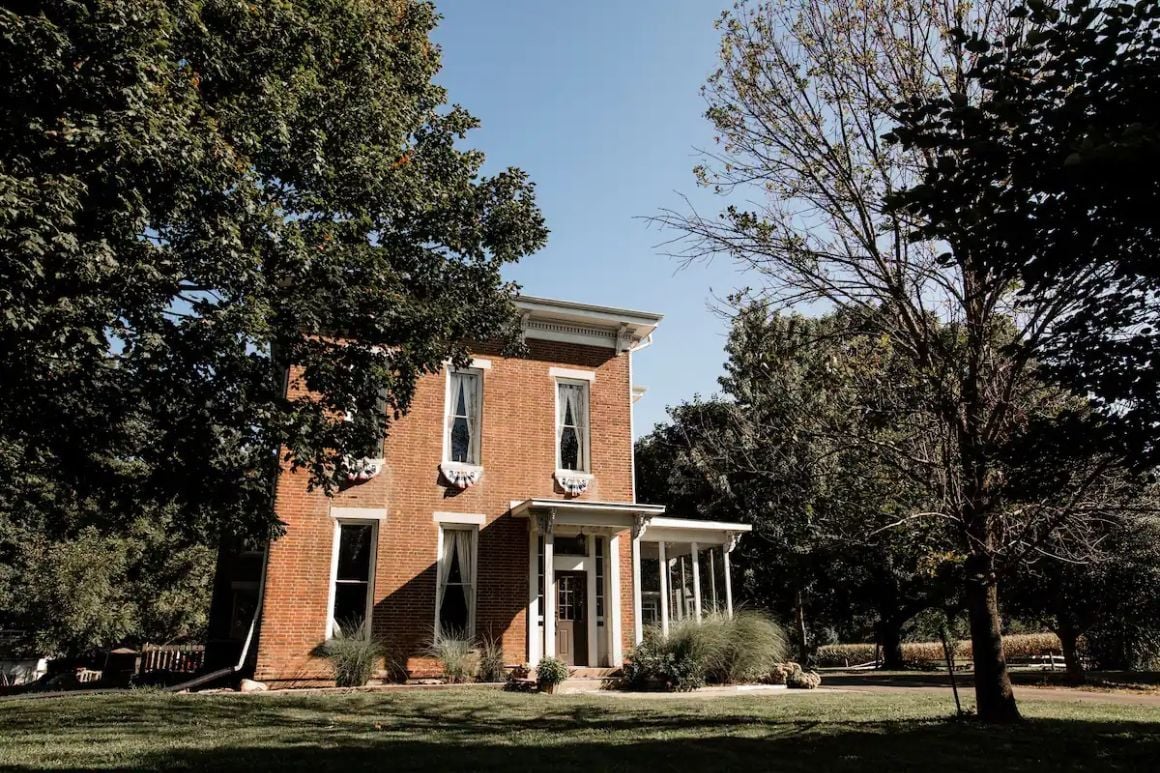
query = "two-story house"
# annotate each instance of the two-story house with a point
(503, 507)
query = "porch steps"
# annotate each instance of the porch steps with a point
(581, 680)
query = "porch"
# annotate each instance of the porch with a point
(679, 569)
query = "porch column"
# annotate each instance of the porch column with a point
(613, 611)
(728, 580)
(713, 580)
(696, 581)
(546, 522)
(664, 570)
(637, 623)
(535, 634)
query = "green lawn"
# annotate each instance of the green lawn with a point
(489, 730)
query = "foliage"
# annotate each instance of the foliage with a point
(832, 521)
(353, 654)
(456, 655)
(550, 672)
(1028, 645)
(718, 648)
(96, 589)
(675, 662)
(805, 91)
(1068, 119)
(194, 195)
(198, 194)
(491, 665)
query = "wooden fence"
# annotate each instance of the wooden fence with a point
(174, 658)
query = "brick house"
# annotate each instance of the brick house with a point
(505, 479)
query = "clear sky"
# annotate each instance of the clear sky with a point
(600, 103)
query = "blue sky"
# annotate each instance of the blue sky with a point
(599, 102)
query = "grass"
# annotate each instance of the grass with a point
(484, 729)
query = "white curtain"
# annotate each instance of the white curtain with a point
(572, 395)
(464, 555)
(471, 403)
(444, 569)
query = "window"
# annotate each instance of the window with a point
(572, 425)
(354, 560)
(464, 397)
(455, 594)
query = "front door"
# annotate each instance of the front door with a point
(572, 618)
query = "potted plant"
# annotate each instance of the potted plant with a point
(550, 673)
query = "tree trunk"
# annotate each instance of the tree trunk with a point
(804, 651)
(994, 698)
(1069, 642)
(890, 637)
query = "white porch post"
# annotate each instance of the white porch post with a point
(728, 581)
(637, 623)
(713, 580)
(612, 611)
(534, 634)
(664, 570)
(696, 581)
(549, 595)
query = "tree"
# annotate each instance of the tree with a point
(805, 93)
(834, 532)
(193, 196)
(1069, 121)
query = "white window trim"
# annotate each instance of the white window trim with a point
(560, 471)
(456, 525)
(572, 373)
(465, 519)
(359, 513)
(373, 522)
(479, 367)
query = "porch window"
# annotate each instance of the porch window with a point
(455, 594)
(572, 425)
(353, 573)
(464, 399)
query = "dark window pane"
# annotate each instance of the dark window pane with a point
(354, 552)
(569, 546)
(453, 612)
(568, 420)
(460, 441)
(350, 603)
(569, 449)
(461, 403)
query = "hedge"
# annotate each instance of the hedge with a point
(1024, 645)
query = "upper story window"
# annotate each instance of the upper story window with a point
(464, 404)
(572, 443)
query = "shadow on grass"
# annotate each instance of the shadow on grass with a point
(414, 734)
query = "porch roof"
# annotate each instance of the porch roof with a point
(622, 515)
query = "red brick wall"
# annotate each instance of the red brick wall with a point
(518, 455)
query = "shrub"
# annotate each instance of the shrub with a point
(352, 654)
(780, 673)
(549, 673)
(491, 661)
(751, 646)
(456, 655)
(1022, 645)
(719, 648)
(797, 679)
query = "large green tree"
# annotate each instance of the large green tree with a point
(804, 95)
(840, 541)
(195, 194)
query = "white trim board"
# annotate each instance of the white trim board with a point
(573, 373)
(359, 513)
(467, 519)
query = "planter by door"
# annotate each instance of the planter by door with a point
(572, 618)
